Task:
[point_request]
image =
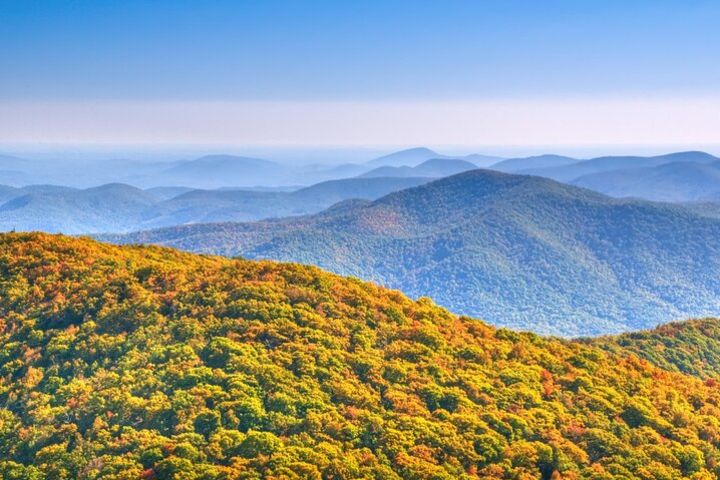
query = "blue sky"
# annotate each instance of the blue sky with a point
(356, 50)
(362, 51)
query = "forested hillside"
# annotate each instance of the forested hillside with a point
(691, 347)
(520, 251)
(143, 362)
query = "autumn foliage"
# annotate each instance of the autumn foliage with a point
(147, 363)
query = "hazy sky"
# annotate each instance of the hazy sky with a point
(267, 72)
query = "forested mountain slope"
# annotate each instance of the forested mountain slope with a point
(142, 362)
(691, 347)
(520, 251)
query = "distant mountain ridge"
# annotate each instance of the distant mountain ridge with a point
(199, 206)
(205, 172)
(213, 171)
(433, 168)
(405, 158)
(413, 157)
(106, 208)
(570, 172)
(522, 251)
(690, 176)
(236, 171)
(671, 182)
(120, 207)
(677, 177)
(514, 165)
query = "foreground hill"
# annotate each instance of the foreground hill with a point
(122, 362)
(521, 251)
(672, 182)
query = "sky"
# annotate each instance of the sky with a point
(364, 73)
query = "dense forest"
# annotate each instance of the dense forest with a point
(144, 362)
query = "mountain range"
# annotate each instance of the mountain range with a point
(433, 168)
(413, 157)
(241, 205)
(142, 362)
(110, 207)
(669, 182)
(205, 172)
(686, 176)
(676, 177)
(517, 165)
(520, 251)
(572, 171)
(120, 207)
(215, 171)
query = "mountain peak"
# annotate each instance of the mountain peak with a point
(432, 168)
(443, 162)
(513, 165)
(690, 156)
(442, 199)
(409, 157)
(415, 151)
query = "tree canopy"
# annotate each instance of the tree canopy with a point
(144, 362)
